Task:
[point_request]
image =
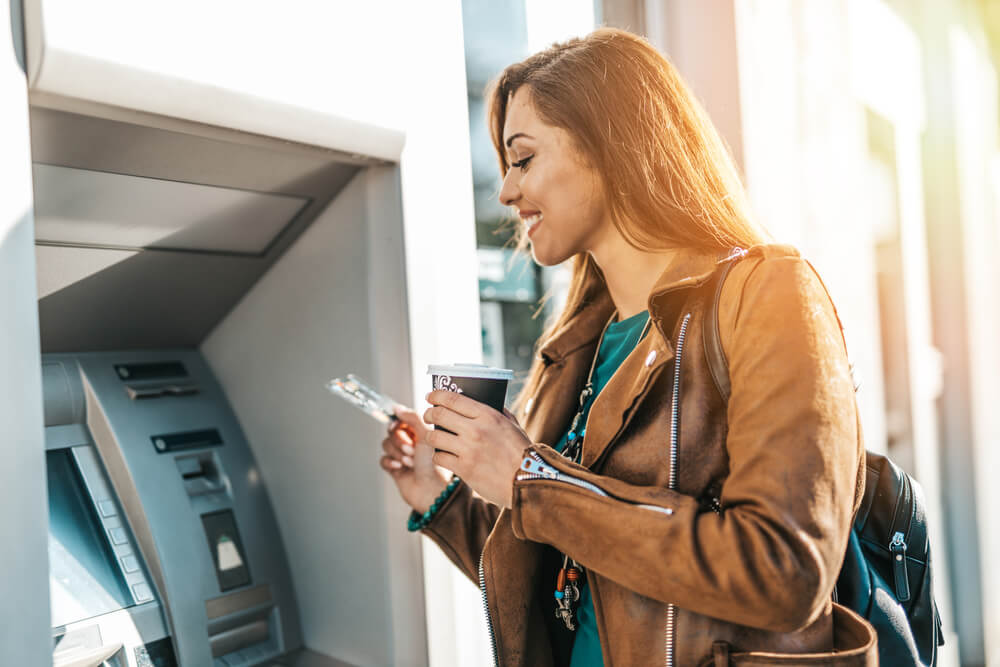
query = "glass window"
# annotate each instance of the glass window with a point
(498, 33)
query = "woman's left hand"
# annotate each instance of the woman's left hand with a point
(487, 447)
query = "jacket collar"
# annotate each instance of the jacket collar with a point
(584, 326)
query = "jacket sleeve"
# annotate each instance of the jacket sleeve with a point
(461, 527)
(771, 558)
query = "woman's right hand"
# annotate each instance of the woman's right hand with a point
(409, 461)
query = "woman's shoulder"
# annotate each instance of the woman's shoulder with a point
(772, 285)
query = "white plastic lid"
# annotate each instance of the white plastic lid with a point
(471, 370)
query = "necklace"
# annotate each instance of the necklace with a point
(569, 579)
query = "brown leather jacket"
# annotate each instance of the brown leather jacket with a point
(674, 582)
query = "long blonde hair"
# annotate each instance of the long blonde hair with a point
(668, 178)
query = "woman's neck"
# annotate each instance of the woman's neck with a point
(630, 274)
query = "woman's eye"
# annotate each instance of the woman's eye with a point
(521, 164)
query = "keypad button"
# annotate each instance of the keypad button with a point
(107, 508)
(130, 564)
(142, 592)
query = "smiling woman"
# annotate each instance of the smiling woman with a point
(634, 516)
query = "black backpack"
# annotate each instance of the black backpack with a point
(886, 573)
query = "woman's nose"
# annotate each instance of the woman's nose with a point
(509, 192)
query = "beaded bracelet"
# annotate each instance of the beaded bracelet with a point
(419, 521)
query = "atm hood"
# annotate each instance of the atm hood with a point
(149, 229)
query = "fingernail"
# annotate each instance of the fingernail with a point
(407, 449)
(408, 460)
(395, 464)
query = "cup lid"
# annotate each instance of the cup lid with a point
(471, 370)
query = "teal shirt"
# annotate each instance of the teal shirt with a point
(619, 340)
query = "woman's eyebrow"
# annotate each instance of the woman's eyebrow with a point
(512, 137)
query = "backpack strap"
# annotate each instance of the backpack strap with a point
(715, 355)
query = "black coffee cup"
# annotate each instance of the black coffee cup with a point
(479, 382)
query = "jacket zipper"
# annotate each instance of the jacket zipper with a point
(486, 608)
(897, 542)
(669, 637)
(533, 466)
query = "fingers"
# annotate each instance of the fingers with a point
(445, 459)
(403, 433)
(400, 452)
(389, 464)
(410, 418)
(459, 403)
(444, 417)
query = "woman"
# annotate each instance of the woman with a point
(633, 517)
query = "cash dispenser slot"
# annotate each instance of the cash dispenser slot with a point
(242, 620)
(173, 442)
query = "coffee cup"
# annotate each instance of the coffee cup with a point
(479, 382)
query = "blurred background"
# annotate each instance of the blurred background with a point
(866, 134)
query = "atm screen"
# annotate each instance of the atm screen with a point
(84, 579)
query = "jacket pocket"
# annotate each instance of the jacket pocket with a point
(855, 644)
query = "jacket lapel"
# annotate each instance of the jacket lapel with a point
(572, 348)
(613, 406)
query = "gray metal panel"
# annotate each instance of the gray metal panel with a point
(152, 299)
(99, 209)
(336, 302)
(104, 299)
(24, 610)
(165, 520)
(59, 404)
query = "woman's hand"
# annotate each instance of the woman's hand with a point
(487, 447)
(408, 461)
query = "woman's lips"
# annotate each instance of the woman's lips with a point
(532, 221)
(532, 230)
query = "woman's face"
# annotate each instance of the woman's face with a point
(558, 197)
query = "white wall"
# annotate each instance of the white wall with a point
(442, 274)
(974, 105)
(335, 65)
(701, 43)
(25, 638)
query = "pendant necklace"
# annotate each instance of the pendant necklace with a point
(570, 576)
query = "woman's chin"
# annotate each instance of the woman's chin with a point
(541, 258)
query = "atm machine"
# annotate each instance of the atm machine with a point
(153, 233)
(158, 519)
(164, 546)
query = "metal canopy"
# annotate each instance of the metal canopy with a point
(150, 229)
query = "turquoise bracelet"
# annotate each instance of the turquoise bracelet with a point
(419, 521)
